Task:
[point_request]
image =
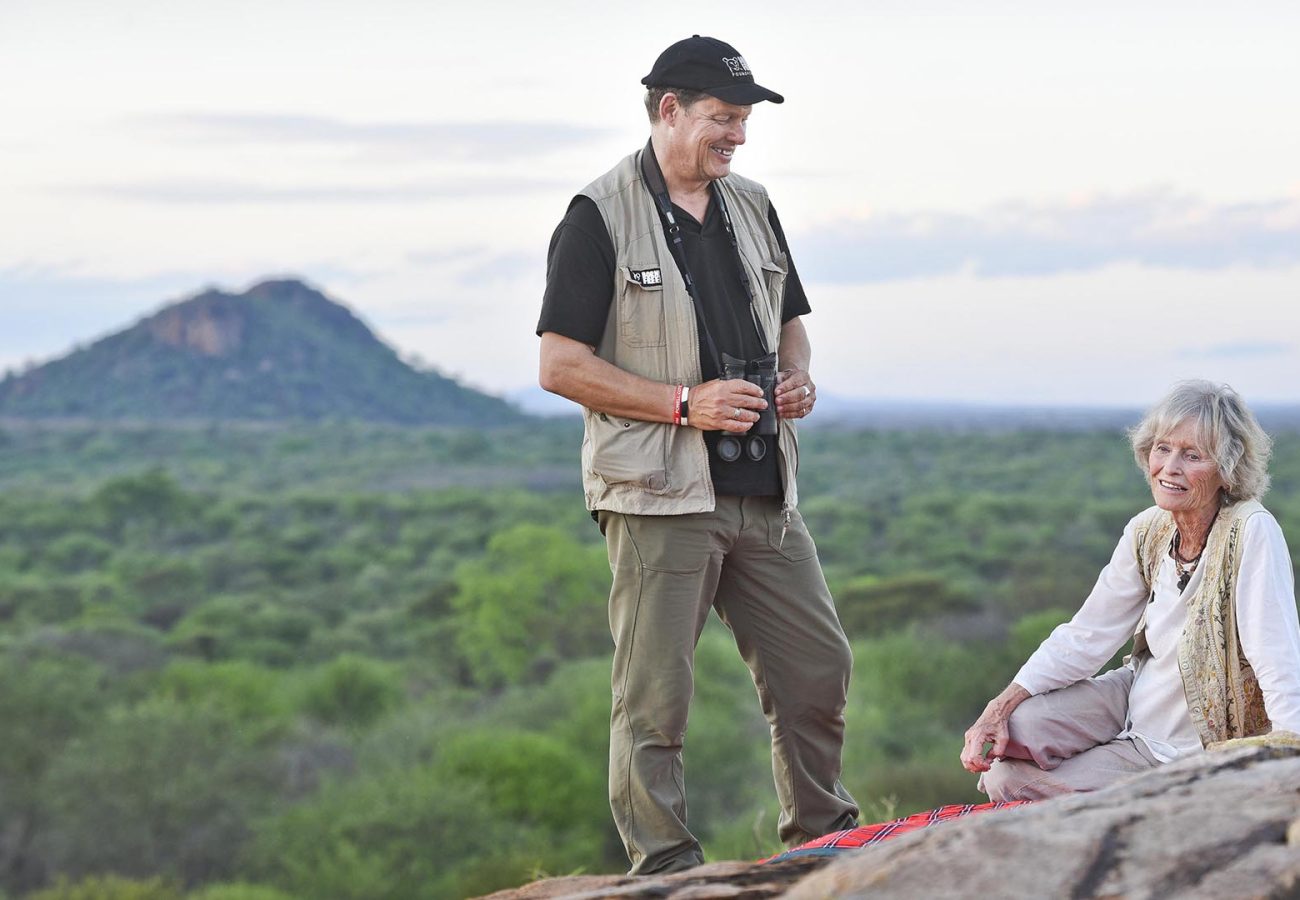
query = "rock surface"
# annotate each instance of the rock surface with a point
(1225, 825)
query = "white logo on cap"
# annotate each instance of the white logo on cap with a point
(739, 68)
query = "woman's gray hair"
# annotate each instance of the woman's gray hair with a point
(1226, 430)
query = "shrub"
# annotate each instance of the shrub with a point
(352, 691)
(109, 887)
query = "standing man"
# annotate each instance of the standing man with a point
(671, 302)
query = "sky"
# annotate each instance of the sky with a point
(1002, 202)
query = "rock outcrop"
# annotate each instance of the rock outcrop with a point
(1225, 825)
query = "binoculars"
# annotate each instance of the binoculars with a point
(761, 372)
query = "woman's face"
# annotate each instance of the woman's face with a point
(1184, 478)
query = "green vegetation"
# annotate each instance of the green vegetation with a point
(362, 661)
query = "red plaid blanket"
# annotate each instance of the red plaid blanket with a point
(865, 835)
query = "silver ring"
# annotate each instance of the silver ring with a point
(735, 412)
(807, 392)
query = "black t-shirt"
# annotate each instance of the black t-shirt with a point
(579, 281)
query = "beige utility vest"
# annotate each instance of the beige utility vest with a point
(1223, 696)
(651, 468)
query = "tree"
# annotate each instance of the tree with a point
(406, 834)
(160, 788)
(536, 598)
(534, 779)
(869, 606)
(152, 497)
(44, 703)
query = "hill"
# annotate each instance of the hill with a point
(279, 351)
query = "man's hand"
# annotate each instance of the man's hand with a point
(795, 394)
(730, 405)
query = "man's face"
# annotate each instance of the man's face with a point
(705, 136)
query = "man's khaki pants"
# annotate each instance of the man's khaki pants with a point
(769, 590)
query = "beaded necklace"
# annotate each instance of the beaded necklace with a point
(1185, 568)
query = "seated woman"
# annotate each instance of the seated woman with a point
(1202, 581)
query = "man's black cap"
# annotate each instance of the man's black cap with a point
(712, 66)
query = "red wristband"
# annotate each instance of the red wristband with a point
(677, 406)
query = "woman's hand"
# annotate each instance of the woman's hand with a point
(991, 728)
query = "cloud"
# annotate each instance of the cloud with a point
(1156, 228)
(474, 141)
(1239, 350)
(47, 307)
(32, 289)
(225, 193)
(479, 265)
(442, 256)
(504, 267)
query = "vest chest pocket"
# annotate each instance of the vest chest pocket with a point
(774, 275)
(641, 307)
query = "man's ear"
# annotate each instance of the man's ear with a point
(669, 108)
